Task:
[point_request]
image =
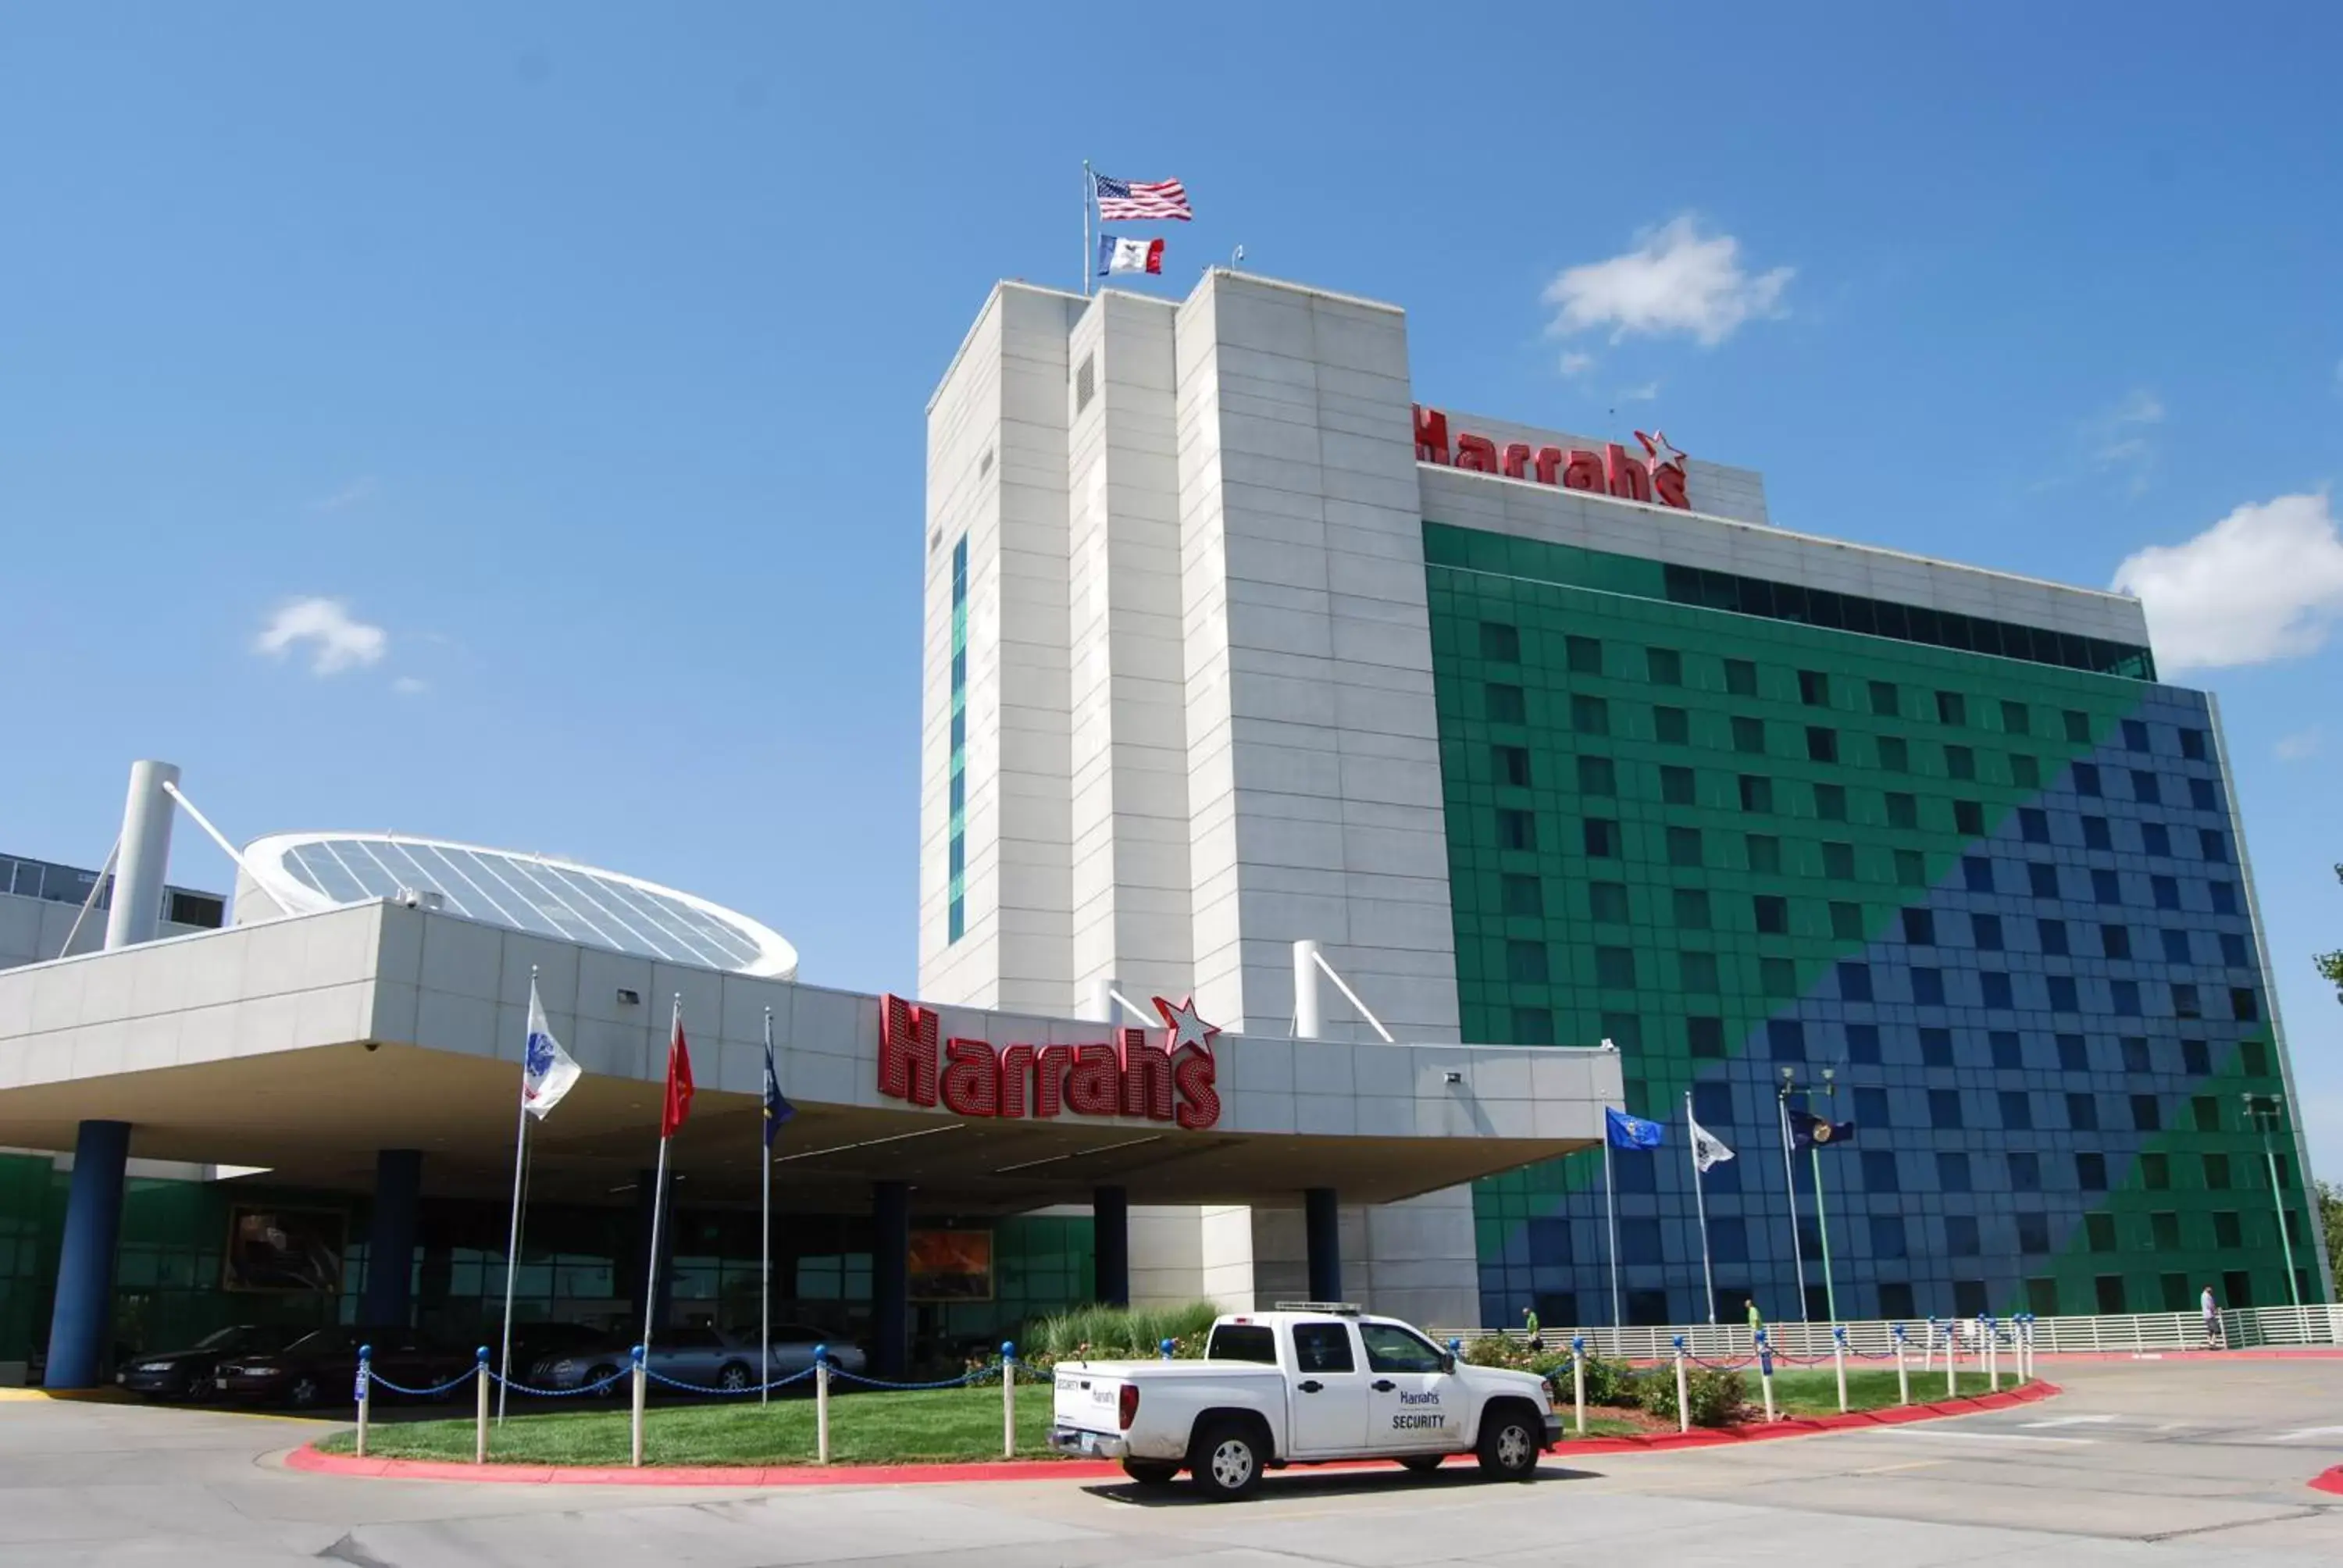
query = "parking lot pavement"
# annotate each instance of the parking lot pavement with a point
(2198, 1463)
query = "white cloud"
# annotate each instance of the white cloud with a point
(1648, 391)
(2264, 583)
(1576, 364)
(408, 686)
(2302, 744)
(334, 642)
(361, 488)
(1674, 281)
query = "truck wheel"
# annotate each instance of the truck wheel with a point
(1509, 1445)
(1226, 1462)
(1150, 1472)
(1421, 1463)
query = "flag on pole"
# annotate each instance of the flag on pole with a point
(1707, 1148)
(1626, 1132)
(1808, 1130)
(777, 1110)
(678, 1103)
(1128, 254)
(547, 1072)
(1140, 201)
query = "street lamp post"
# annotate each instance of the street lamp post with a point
(1822, 1218)
(2262, 1111)
(1790, 1187)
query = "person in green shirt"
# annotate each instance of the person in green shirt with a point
(1530, 1325)
(1757, 1320)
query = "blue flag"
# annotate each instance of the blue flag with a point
(777, 1110)
(1627, 1131)
(1808, 1130)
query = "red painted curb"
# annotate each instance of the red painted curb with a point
(307, 1457)
(2328, 1481)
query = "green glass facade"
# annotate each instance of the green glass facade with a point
(577, 1265)
(1996, 894)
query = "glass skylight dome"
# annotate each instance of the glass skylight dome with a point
(302, 873)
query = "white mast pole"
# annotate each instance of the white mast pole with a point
(512, 1237)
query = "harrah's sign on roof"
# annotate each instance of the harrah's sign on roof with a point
(1130, 1076)
(1658, 475)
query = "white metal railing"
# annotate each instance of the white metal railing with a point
(2242, 1329)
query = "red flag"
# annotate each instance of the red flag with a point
(678, 1104)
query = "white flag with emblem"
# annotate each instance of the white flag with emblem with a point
(547, 1071)
(1707, 1148)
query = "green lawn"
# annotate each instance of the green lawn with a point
(958, 1424)
(935, 1425)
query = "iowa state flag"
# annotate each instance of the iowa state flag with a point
(678, 1103)
(1128, 254)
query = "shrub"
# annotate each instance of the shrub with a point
(1718, 1398)
(1118, 1334)
(1607, 1382)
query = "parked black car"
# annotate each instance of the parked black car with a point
(322, 1367)
(190, 1374)
(534, 1343)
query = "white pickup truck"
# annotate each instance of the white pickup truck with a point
(1308, 1383)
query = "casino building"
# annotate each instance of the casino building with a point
(1235, 640)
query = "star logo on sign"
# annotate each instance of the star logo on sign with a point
(1186, 1028)
(1663, 454)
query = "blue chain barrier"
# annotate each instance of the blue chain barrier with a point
(516, 1386)
(458, 1380)
(981, 1374)
(664, 1381)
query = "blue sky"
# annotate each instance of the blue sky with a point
(580, 356)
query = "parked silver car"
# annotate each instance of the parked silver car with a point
(702, 1357)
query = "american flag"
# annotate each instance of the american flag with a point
(1124, 201)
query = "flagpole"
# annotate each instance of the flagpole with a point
(1611, 1210)
(512, 1237)
(1700, 1207)
(1089, 189)
(659, 1197)
(765, 1236)
(1790, 1185)
(1822, 1224)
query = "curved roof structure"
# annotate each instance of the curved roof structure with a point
(306, 872)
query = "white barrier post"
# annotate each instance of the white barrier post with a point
(1838, 1353)
(1952, 1357)
(1766, 1371)
(1992, 1352)
(641, 1382)
(480, 1429)
(1007, 1398)
(821, 1404)
(366, 1378)
(1929, 1348)
(1578, 1379)
(2025, 1347)
(1684, 1395)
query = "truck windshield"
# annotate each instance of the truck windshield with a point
(1241, 1342)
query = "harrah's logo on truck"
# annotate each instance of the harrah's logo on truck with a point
(1132, 1076)
(1657, 476)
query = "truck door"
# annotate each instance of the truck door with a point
(1328, 1398)
(1411, 1404)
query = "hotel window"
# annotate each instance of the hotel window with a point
(2086, 778)
(1995, 986)
(1606, 902)
(1692, 909)
(1740, 678)
(1976, 873)
(2033, 1232)
(1847, 921)
(1705, 1037)
(2078, 728)
(1601, 838)
(2196, 1060)
(1830, 802)
(1524, 895)
(1951, 1168)
(2063, 998)
(2135, 1054)
(2156, 839)
(2201, 795)
(2073, 1054)
(1512, 765)
(2165, 891)
(2224, 896)
(1757, 793)
(2106, 888)
(2214, 848)
(2135, 735)
(1986, 932)
(1911, 868)
(2155, 1172)
(1505, 703)
(2242, 1006)
(2192, 744)
(1838, 860)
(2033, 824)
(1903, 811)
(1663, 666)
(1765, 855)
(2083, 1113)
(2115, 941)
(1883, 701)
(2233, 949)
(1879, 1173)
(1863, 1050)
(1673, 726)
(2095, 833)
(1968, 819)
(2016, 720)
(2217, 1172)
(1786, 1040)
(1920, 928)
(1749, 737)
(2147, 1116)
(2041, 878)
(2124, 996)
(1813, 689)
(1952, 708)
(2009, 1051)
(1683, 846)
(1525, 963)
(1936, 1047)
(1518, 830)
(2184, 1001)
(1501, 643)
(2144, 789)
(1895, 756)
(1596, 776)
(1822, 745)
(2016, 1111)
(2091, 1172)
(2025, 771)
(1676, 785)
(1590, 715)
(956, 890)
(2026, 1172)
(1960, 762)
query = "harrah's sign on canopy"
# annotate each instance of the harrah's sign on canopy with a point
(1656, 475)
(1132, 1076)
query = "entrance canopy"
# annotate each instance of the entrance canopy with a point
(307, 1044)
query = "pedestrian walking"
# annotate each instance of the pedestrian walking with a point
(2214, 1338)
(1756, 1322)
(1530, 1326)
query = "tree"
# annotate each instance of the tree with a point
(2331, 964)
(2331, 1221)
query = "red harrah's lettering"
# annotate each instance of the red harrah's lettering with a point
(1657, 476)
(1131, 1076)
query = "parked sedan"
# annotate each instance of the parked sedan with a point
(322, 1367)
(189, 1373)
(703, 1357)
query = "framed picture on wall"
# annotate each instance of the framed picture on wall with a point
(951, 1266)
(297, 1250)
